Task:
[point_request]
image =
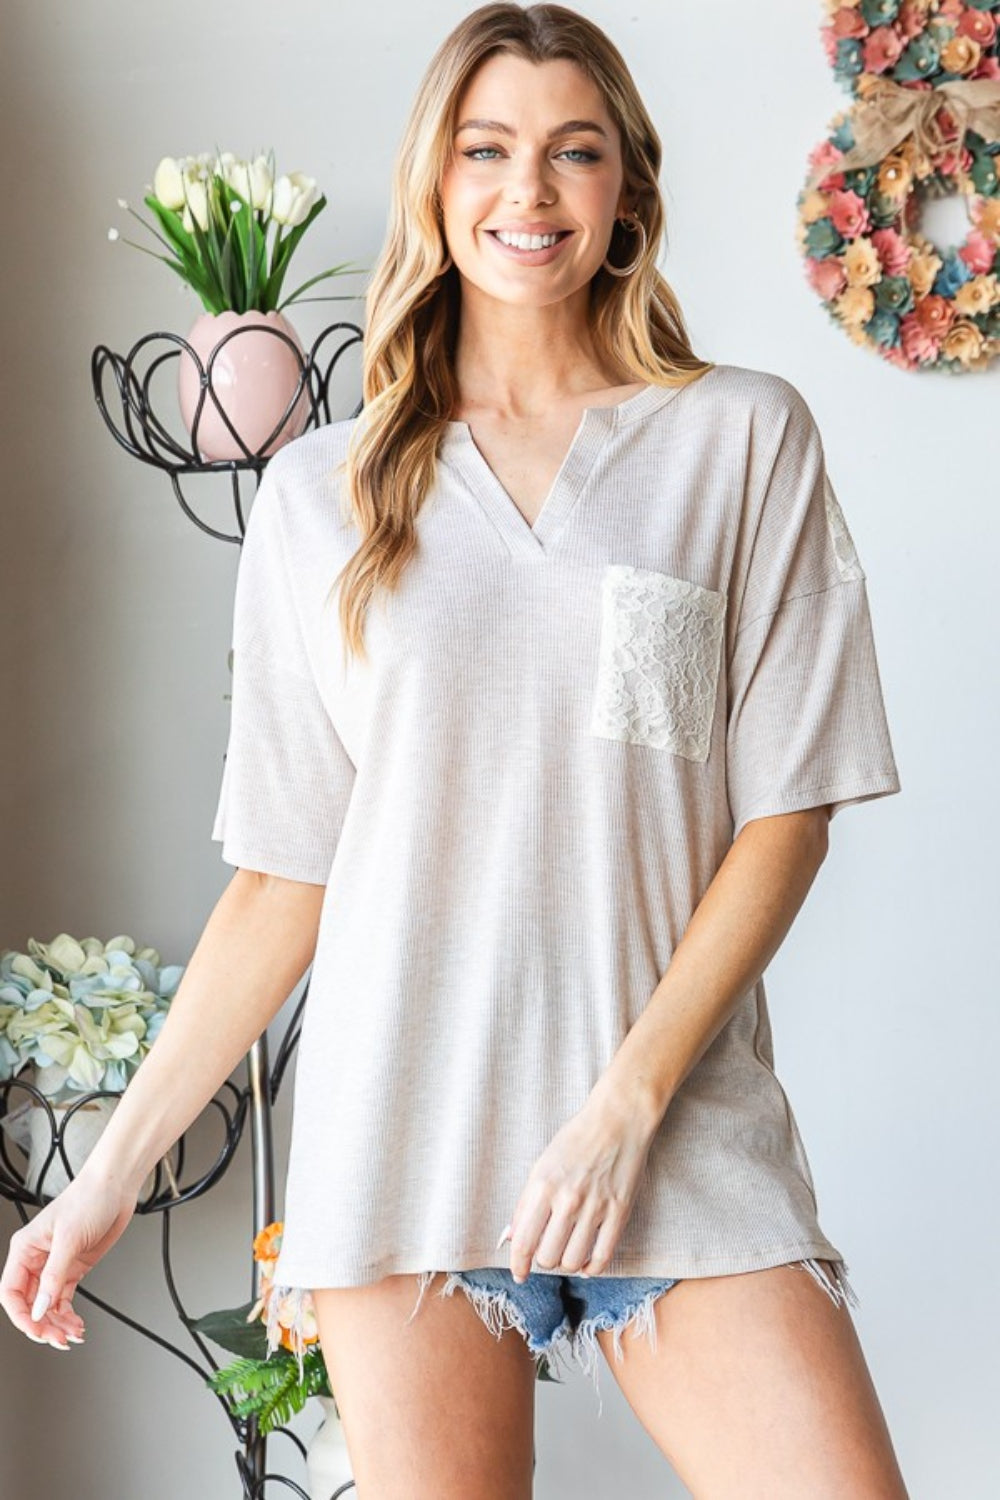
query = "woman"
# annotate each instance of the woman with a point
(606, 673)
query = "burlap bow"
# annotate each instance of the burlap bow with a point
(888, 113)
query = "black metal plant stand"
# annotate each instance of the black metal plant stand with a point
(139, 428)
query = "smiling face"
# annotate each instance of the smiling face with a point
(535, 152)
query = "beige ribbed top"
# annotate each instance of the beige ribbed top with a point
(517, 804)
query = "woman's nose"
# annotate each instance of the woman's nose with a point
(528, 181)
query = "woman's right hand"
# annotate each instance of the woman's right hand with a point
(50, 1255)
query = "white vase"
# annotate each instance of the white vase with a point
(80, 1134)
(327, 1464)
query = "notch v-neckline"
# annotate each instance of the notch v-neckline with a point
(594, 430)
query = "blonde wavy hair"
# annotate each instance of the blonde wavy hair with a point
(412, 303)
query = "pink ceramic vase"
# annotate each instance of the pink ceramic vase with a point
(252, 378)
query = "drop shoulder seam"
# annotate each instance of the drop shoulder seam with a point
(767, 614)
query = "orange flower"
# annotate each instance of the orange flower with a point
(964, 341)
(287, 1312)
(267, 1244)
(961, 54)
(934, 314)
(978, 295)
(862, 264)
(922, 269)
(986, 215)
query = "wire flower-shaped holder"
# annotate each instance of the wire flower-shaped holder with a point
(134, 409)
(58, 1153)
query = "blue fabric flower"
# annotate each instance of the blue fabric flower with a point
(953, 273)
(849, 59)
(860, 180)
(984, 175)
(822, 239)
(883, 328)
(843, 136)
(894, 294)
(919, 59)
(879, 12)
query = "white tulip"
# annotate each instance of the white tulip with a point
(261, 181)
(236, 173)
(252, 180)
(168, 184)
(255, 180)
(294, 195)
(196, 206)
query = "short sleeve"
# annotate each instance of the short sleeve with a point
(806, 718)
(287, 777)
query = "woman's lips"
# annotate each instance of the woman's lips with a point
(531, 257)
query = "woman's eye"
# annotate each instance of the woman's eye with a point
(474, 154)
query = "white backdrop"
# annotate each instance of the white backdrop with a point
(115, 616)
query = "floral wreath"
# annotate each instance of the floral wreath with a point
(926, 78)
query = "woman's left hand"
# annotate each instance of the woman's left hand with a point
(580, 1192)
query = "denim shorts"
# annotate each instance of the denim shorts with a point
(556, 1314)
(559, 1314)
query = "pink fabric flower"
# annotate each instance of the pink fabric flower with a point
(947, 123)
(989, 67)
(952, 10)
(952, 162)
(898, 357)
(826, 277)
(917, 342)
(829, 41)
(849, 214)
(883, 49)
(848, 22)
(977, 252)
(893, 251)
(826, 154)
(980, 25)
(911, 20)
(934, 314)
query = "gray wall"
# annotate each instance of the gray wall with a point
(115, 627)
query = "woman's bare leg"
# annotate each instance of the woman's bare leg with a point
(758, 1390)
(437, 1406)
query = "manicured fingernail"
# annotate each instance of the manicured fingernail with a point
(36, 1337)
(504, 1236)
(41, 1306)
(63, 1348)
(74, 1339)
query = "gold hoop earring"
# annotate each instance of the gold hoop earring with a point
(633, 223)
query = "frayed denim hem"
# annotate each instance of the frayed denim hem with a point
(833, 1281)
(568, 1345)
(283, 1300)
(577, 1345)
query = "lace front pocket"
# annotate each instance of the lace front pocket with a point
(658, 662)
